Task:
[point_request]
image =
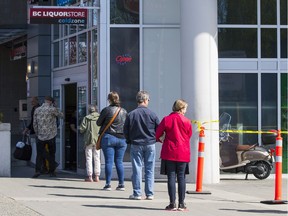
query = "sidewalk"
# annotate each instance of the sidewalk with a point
(69, 195)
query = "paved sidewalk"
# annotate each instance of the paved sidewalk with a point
(69, 195)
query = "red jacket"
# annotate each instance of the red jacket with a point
(178, 131)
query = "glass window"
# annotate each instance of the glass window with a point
(232, 43)
(238, 96)
(268, 12)
(82, 48)
(268, 43)
(161, 12)
(72, 50)
(66, 52)
(284, 44)
(124, 64)
(81, 111)
(237, 12)
(72, 29)
(124, 67)
(56, 54)
(283, 12)
(124, 11)
(284, 109)
(94, 67)
(162, 66)
(269, 101)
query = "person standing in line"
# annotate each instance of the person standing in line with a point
(175, 131)
(113, 142)
(139, 131)
(90, 130)
(45, 127)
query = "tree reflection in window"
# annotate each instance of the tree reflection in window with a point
(73, 52)
(82, 46)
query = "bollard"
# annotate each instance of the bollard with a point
(278, 173)
(200, 165)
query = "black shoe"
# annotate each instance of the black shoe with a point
(36, 175)
(107, 187)
(182, 207)
(171, 207)
(52, 174)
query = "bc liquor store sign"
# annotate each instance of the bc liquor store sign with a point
(58, 15)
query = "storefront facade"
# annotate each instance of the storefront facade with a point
(169, 48)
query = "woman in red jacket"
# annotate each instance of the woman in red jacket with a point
(175, 153)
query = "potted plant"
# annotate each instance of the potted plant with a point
(1, 117)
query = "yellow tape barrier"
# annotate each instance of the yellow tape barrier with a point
(199, 124)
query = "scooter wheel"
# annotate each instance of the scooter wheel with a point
(265, 167)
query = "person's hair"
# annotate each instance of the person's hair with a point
(178, 105)
(49, 98)
(113, 98)
(142, 96)
(92, 108)
(35, 98)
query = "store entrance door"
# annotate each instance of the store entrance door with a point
(70, 126)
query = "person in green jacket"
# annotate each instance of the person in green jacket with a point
(90, 130)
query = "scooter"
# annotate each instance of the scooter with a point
(249, 159)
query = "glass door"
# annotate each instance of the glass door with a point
(81, 113)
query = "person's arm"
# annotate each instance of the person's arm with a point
(73, 127)
(83, 125)
(160, 131)
(35, 124)
(126, 130)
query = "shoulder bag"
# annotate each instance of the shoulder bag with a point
(98, 144)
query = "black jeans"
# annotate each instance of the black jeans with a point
(176, 169)
(43, 154)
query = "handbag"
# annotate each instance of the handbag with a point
(98, 143)
(23, 150)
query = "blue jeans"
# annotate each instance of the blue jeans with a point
(114, 149)
(176, 169)
(143, 155)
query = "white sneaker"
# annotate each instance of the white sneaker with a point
(151, 197)
(133, 197)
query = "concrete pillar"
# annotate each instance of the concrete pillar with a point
(199, 73)
(5, 153)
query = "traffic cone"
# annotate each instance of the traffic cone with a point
(200, 165)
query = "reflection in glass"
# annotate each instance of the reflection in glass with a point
(94, 67)
(73, 50)
(161, 12)
(55, 32)
(268, 43)
(269, 101)
(284, 39)
(232, 43)
(82, 48)
(238, 96)
(73, 29)
(237, 12)
(268, 12)
(82, 95)
(124, 11)
(284, 110)
(283, 12)
(66, 52)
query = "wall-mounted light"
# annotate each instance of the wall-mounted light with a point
(31, 67)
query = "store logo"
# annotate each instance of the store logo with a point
(123, 59)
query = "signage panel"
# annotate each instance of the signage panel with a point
(58, 15)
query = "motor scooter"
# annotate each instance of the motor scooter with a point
(249, 159)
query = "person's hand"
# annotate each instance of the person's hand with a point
(25, 131)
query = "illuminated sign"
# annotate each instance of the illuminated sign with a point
(123, 59)
(58, 16)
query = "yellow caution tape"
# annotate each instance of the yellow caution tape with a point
(199, 124)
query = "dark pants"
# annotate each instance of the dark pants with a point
(176, 169)
(42, 154)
